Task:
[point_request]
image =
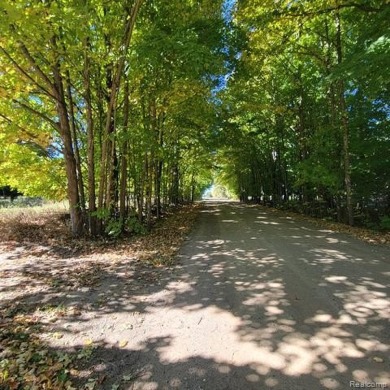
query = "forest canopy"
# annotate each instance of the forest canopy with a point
(124, 108)
(306, 110)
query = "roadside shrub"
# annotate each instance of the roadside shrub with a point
(133, 225)
(385, 223)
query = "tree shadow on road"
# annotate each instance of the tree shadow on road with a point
(238, 310)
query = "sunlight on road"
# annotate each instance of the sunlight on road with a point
(287, 306)
(208, 332)
(262, 331)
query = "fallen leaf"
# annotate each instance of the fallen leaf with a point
(122, 343)
(88, 342)
(91, 384)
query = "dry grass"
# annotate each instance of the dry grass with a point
(44, 230)
(33, 224)
(47, 208)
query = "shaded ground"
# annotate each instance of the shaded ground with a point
(51, 285)
(258, 299)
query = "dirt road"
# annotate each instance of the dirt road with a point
(257, 300)
(262, 301)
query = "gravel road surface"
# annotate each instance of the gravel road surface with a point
(257, 299)
(261, 300)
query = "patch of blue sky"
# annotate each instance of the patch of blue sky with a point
(221, 80)
(228, 9)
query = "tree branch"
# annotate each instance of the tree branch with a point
(362, 7)
(54, 124)
(34, 64)
(24, 73)
(27, 132)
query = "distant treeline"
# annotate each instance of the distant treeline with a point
(9, 192)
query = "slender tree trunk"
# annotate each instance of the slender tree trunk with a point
(192, 187)
(333, 117)
(148, 192)
(108, 149)
(157, 131)
(123, 182)
(72, 124)
(113, 177)
(159, 170)
(140, 196)
(344, 126)
(90, 144)
(124, 160)
(175, 184)
(70, 161)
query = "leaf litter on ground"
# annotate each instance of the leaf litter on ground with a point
(46, 262)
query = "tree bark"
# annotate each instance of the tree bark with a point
(70, 161)
(344, 126)
(123, 158)
(90, 144)
(108, 147)
(72, 124)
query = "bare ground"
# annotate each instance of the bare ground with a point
(51, 286)
(256, 299)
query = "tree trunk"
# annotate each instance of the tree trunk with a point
(108, 155)
(123, 159)
(70, 161)
(72, 124)
(149, 189)
(90, 145)
(344, 126)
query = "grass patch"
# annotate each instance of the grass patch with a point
(36, 224)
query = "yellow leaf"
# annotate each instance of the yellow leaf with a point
(88, 342)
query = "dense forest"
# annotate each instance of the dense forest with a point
(124, 108)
